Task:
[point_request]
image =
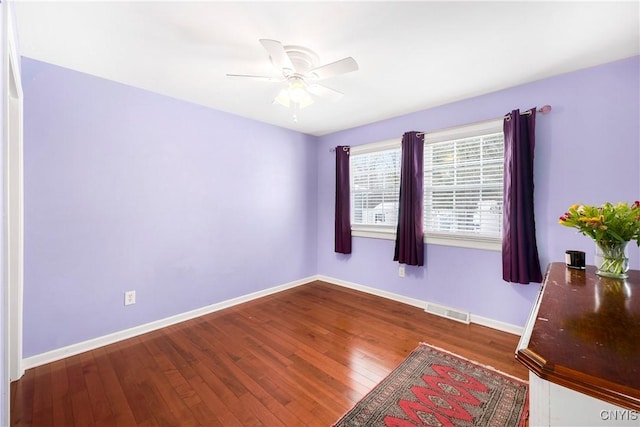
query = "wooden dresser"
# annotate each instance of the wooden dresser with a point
(581, 345)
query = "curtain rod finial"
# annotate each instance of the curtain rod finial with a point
(545, 109)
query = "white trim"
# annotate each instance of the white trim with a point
(388, 144)
(358, 287)
(461, 241)
(92, 344)
(389, 233)
(474, 318)
(464, 131)
(5, 388)
(13, 257)
(497, 324)
(374, 232)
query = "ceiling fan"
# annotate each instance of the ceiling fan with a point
(299, 69)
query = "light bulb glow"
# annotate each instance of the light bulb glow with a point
(295, 95)
(283, 98)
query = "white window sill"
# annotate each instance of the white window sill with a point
(389, 233)
(472, 242)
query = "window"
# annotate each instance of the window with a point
(463, 170)
(375, 185)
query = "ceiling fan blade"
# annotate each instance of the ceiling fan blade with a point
(324, 92)
(278, 55)
(257, 78)
(342, 66)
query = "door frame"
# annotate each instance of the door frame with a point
(13, 250)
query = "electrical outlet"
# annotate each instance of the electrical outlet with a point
(401, 271)
(129, 297)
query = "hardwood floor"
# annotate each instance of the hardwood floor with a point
(300, 357)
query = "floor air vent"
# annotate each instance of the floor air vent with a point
(449, 313)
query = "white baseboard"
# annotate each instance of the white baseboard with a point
(71, 350)
(497, 324)
(479, 320)
(358, 287)
(81, 347)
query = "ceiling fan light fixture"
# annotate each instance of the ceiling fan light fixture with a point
(295, 95)
(298, 66)
(301, 98)
(298, 93)
(283, 98)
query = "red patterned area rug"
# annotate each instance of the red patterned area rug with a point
(433, 387)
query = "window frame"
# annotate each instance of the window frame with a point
(432, 238)
(450, 134)
(372, 230)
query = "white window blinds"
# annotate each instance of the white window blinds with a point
(375, 182)
(463, 179)
(463, 184)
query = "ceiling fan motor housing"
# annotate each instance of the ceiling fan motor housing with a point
(303, 59)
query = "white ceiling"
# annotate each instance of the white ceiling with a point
(412, 55)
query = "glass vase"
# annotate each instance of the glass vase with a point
(612, 259)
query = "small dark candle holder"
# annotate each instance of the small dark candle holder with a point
(575, 259)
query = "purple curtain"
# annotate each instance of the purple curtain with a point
(520, 262)
(343, 202)
(409, 237)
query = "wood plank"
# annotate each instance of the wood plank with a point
(80, 401)
(122, 413)
(100, 405)
(42, 401)
(22, 395)
(61, 397)
(303, 356)
(120, 356)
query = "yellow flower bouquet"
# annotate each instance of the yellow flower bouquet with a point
(611, 227)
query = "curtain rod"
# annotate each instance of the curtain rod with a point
(344, 148)
(544, 110)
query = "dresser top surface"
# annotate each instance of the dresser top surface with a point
(586, 329)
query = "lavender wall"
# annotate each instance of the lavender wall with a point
(126, 189)
(587, 152)
(130, 190)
